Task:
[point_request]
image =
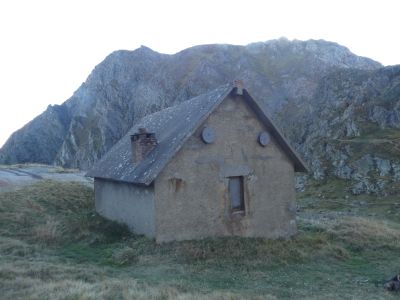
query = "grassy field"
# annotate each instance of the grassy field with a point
(54, 246)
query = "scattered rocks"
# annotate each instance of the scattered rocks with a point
(393, 284)
(383, 165)
(300, 182)
(396, 171)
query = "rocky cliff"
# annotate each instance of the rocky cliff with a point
(353, 130)
(329, 102)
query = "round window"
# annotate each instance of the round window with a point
(264, 138)
(208, 135)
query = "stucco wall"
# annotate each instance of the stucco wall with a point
(126, 203)
(191, 192)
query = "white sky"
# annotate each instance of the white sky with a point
(48, 48)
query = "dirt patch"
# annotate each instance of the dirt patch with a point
(17, 176)
(3, 183)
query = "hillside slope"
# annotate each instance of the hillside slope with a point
(350, 128)
(53, 245)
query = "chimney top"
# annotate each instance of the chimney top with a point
(238, 83)
(142, 143)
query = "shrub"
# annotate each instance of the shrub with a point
(124, 256)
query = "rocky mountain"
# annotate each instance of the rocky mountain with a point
(353, 130)
(339, 110)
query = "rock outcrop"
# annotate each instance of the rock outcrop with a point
(353, 130)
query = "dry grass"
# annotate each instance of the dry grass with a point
(54, 246)
(12, 247)
(334, 237)
(366, 233)
(246, 251)
(48, 232)
(62, 170)
(111, 289)
(360, 232)
(124, 256)
(52, 212)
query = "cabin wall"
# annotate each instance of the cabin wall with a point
(192, 196)
(126, 203)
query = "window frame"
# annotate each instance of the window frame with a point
(238, 187)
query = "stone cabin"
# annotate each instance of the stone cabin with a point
(211, 166)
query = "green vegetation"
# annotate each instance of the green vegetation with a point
(384, 143)
(333, 198)
(54, 246)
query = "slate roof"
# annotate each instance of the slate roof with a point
(172, 127)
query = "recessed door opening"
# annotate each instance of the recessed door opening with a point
(236, 194)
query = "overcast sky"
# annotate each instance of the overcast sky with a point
(48, 48)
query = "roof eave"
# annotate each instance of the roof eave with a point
(139, 183)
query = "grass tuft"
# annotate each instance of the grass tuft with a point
(48, 232)
(367, 234)
(124, 256)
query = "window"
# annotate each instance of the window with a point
(236, 193)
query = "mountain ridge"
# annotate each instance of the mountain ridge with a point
(294, 79)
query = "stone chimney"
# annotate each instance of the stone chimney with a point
(142, 143)
(239, 85)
